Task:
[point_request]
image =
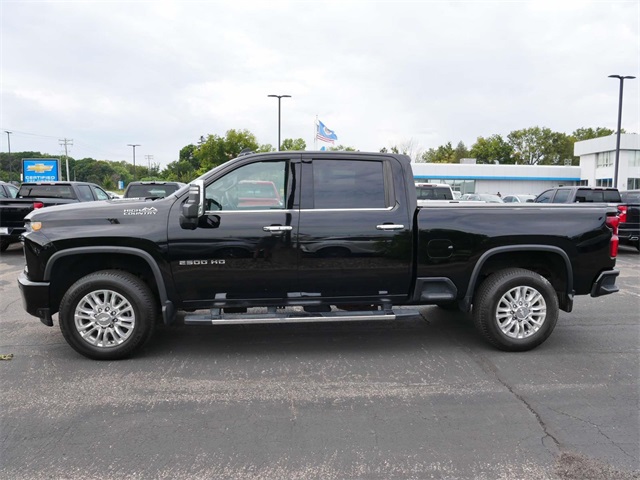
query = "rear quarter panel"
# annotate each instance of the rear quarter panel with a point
(579, 230)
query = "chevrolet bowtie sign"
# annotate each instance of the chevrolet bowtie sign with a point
(40, 169)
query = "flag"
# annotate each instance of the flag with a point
(324, 134)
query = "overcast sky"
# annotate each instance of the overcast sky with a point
(163, 73)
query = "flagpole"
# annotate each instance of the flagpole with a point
(315, 132)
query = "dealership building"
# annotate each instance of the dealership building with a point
(597, 165)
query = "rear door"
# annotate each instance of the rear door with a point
(355, 228)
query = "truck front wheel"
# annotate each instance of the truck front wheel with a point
(107, 315)
(515, 309)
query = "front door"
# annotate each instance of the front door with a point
(243, 247)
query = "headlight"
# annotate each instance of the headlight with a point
(32, 226)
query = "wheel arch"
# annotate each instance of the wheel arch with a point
(531, 257)
(80, 261)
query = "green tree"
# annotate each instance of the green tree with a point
(179, 171)
(291, 144)
(492, 149)
(216, 150)
(589, 133)
(442, 154)
(342, 148)
(461, 151)
(540, 146)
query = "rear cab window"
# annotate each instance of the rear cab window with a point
(352, 184)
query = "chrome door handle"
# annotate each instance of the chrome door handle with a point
(389, 226)
(277, 228)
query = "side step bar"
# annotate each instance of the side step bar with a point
(216, 317)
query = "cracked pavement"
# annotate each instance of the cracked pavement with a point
(422, 398)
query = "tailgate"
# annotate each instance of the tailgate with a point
(12, 213)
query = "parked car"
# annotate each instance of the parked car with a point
(433, 191)
(8, 190)
(258, 193)
(151, 189)
(482, 197)
(518, 198)
(629, 214)
(579, 194)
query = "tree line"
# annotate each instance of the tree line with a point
(529, 146)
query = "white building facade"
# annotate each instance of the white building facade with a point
(597, 163)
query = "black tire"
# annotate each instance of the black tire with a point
(528, 311)
(4, 245)
(113, 336)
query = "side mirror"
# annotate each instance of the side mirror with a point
(193, 208)
(530, 200)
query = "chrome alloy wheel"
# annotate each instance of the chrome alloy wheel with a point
(521, 312)
(104, 318)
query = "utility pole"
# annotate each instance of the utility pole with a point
(66, 142)
(10, 160)
(148, 158)
(134, 145)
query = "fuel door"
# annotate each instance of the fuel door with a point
(439, 248)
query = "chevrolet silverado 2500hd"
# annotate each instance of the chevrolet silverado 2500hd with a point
(345, 242)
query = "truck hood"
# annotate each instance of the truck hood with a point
(102, 210)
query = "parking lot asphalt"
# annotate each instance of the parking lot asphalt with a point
(422, 398)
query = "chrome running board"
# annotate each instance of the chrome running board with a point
(216, 317)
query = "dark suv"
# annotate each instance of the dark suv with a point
(151, 189)
(579, 195)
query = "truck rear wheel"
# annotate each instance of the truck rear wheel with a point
(515, 309)
(107, 315)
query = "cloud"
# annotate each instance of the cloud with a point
(163, 73)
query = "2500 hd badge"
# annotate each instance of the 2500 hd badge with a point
(200, 262)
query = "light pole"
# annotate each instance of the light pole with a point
(615, 168)
(134, 145)
(10, 161)
(279, 97)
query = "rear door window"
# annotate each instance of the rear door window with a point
(84, 193)
(348, 184)
(562, 196)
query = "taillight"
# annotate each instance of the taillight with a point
(622, 213)
(612, 222)
(37, 205)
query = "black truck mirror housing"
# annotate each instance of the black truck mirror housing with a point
(193, 208)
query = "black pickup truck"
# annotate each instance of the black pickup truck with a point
(345, 242)
(32, 196)
(629, 213)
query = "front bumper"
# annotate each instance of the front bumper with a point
(35, 298)
(605, 283)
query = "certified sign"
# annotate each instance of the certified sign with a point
(40, 169)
